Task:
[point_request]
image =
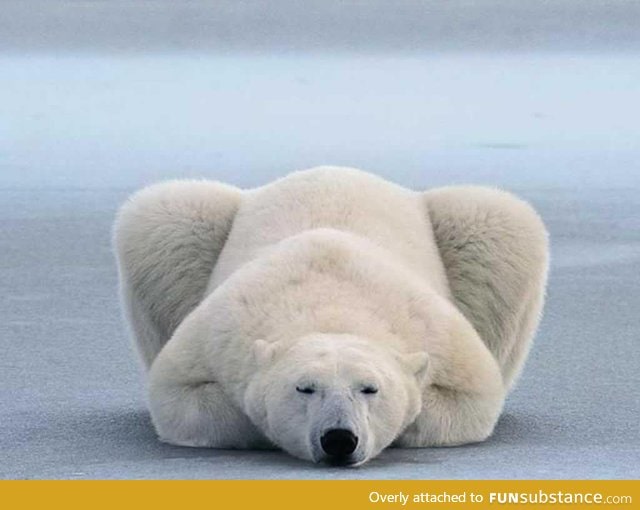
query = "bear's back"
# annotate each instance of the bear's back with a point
(344, 199)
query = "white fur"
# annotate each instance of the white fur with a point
(340, 280)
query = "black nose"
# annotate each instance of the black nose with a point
(339, 442)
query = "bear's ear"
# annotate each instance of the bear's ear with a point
(263, 351)
(418, 363)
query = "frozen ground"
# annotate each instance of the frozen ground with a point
(547, 107)
(515, 120)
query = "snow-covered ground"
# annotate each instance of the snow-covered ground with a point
(98, 98)
(517, 120)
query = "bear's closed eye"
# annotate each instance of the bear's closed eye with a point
(307, 390)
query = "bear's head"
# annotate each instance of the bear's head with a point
(334, 398)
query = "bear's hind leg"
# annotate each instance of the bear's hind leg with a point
(495, 251)
(167, 238)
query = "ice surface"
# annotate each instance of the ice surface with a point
(528, 120)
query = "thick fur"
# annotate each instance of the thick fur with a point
(334, 279)
(168, 238)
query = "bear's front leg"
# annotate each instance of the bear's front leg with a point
(452, 418)
(189, 408)
(462, 395)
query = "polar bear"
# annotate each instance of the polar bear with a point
(329, 313)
